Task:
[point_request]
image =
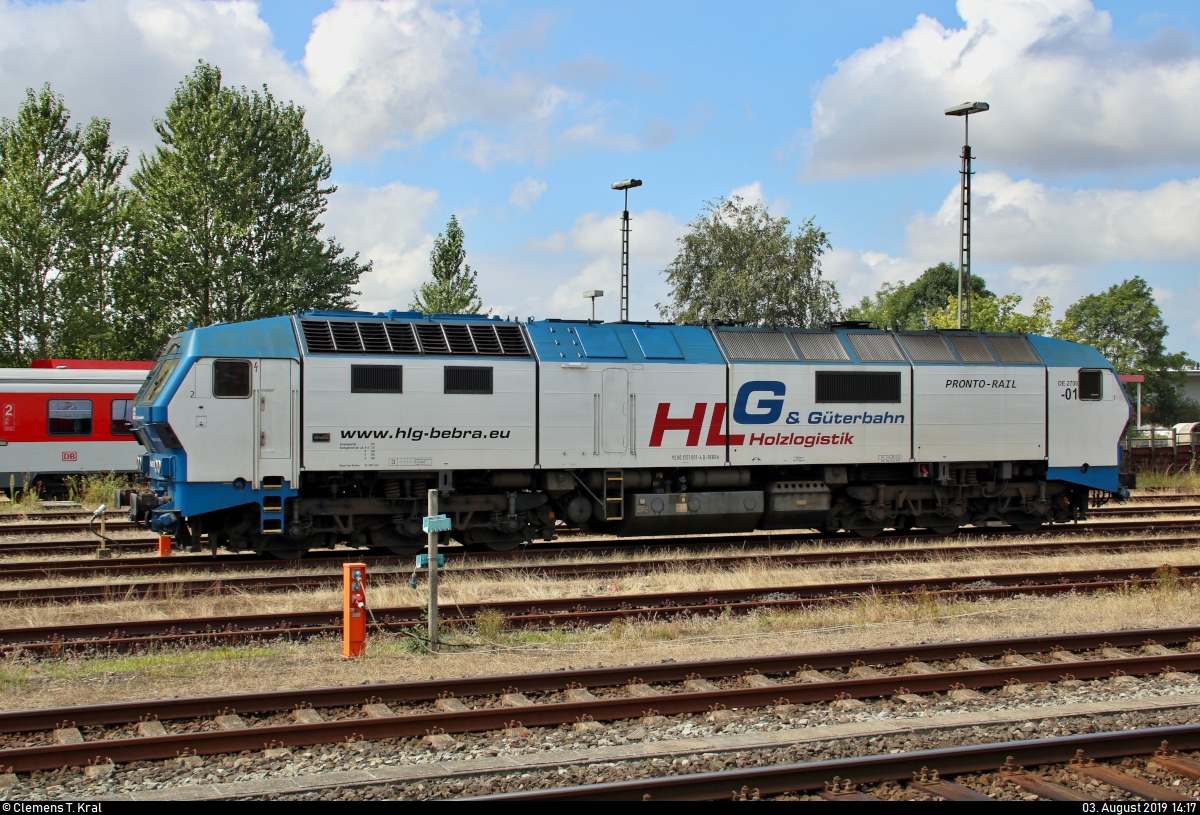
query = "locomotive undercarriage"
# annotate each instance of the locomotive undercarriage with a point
(500, 510)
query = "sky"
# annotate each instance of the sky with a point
(517, 117)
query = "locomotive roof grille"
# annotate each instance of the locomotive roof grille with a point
(876, 347)
(767, 346)
(820, 346)
(927, 348)
(973, 350)
(1014, 350)
(412, 339)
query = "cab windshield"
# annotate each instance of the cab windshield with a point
(155, 381)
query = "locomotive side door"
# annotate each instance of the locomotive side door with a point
(275, 411)
(614, 405)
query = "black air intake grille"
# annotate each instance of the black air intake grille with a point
(459, 339)
(512, 339)
(404, 341)
(317, 338)
(468, 380)
(345, 335)
(432, 341)
(376, 378)
(855, 387)
(374, 338)
(413, 339)
(485, 340)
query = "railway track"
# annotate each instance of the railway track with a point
(574, 611)
(767, 539)
(474, 564)
(939, 773)
(114, 525)
(156, 729)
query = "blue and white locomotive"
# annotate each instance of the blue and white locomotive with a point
(292, 433)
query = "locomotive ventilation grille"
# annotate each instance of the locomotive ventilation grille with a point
(413, 339)
(766, 345)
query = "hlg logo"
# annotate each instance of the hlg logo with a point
(765, 411)
(752, 408)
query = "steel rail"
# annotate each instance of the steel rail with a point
(874, 769)
(592, 544)
(571, 611)
(65, 526)
(50, 756)
(150, 589)
(52, 547)
(90, 567)
(429, 690)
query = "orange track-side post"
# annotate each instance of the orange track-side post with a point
(164, 545)
(354, 609)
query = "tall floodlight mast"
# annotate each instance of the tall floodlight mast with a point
(964, 226)
(625, 186)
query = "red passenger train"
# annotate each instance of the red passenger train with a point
(67, 417)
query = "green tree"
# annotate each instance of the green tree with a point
(1126, 325)
(997, 314)
(906, 306)
(738, 264)
(63, 232)
(98, 311)
(228, 209)
(453, 289)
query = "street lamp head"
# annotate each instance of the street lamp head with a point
(592, 295)
(627, 184)
(967, 108)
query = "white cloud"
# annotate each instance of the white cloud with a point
(597, 239)
(1037, 240)
(751, 193)
(1065, 94)
(122, 60)
(375, 75)
(1028, 222)
(526, 192)
(385, 224)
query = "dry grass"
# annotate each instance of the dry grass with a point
(870, 622)
(391, 589)
(93, 490)
(1185, 481)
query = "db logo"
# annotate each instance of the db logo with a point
(70, 455)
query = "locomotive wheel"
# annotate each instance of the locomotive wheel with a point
(1026, 523)
(944, 529)
(867, 531)
(496, 541)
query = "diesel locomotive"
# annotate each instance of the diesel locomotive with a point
(292, 433)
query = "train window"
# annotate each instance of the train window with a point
(462, 379)
(376, 378)
(857, 387)
(1091, 386)
(69, 417)
(231, 378)
(120, 417)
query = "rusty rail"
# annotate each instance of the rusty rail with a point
(582, 610)
(757, 694)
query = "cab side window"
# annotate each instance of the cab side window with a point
(120, 417)
(231, 378)
(1091, 386)
(69, 417)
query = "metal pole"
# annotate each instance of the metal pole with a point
(624, 262)
(433, 575)
(1139, 386)
(964, 236)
